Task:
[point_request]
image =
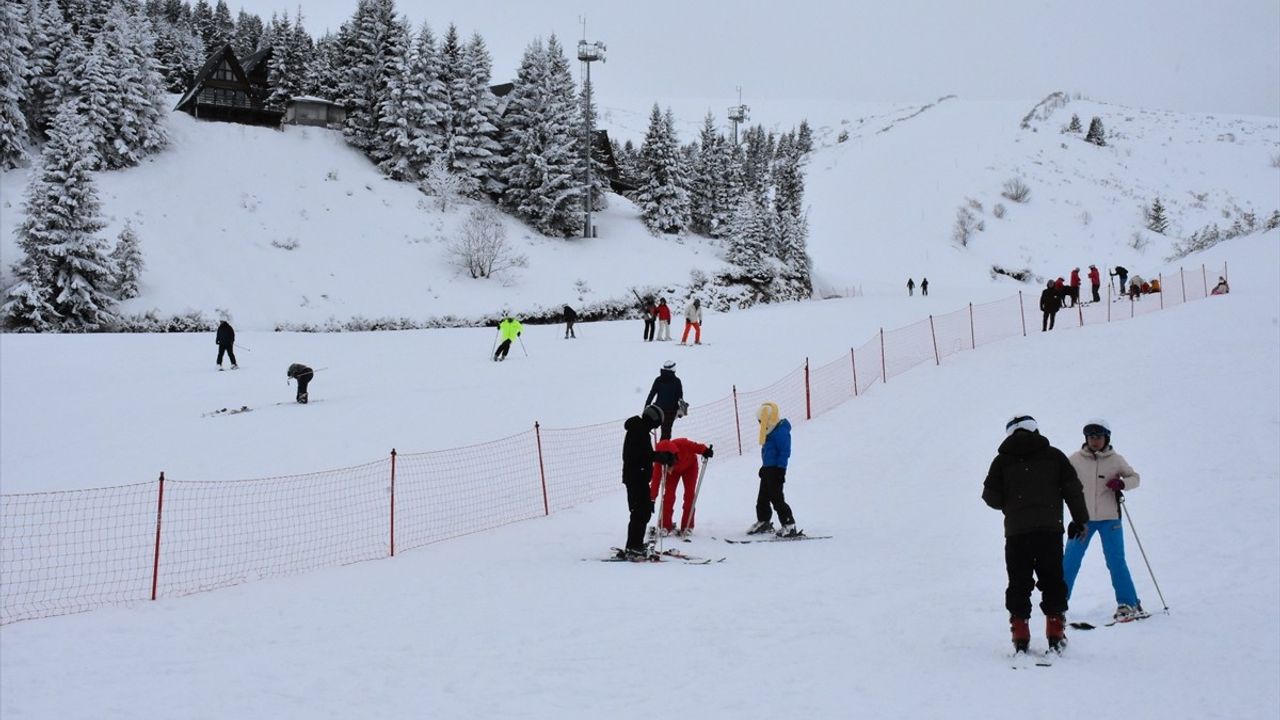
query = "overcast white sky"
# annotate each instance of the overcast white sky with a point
(1184, 55)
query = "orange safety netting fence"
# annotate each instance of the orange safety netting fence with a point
(71, 551)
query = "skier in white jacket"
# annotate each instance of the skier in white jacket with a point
(1104, 474)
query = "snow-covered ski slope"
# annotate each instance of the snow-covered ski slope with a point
(899, 615)
(273, 227)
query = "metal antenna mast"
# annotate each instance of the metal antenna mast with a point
(738, 115)
(588, 52)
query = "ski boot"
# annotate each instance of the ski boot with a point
(788, 530)
(1055, 630)
(761, 527)
(1129, 613)
(302, 398)
(1021, 634)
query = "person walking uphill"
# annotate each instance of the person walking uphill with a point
(668, 394)
(303, 375)
(683, 468)
(911, 287)
(226, 340)
(1104, 473)
(509, 329)
(1028, 481)
(924, 287)
(1050, 304)
(637, 467)
(693, 320)
(775, 451)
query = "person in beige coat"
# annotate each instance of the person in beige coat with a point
(1105, 474)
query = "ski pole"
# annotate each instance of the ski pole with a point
(1129, 517)
(244, 347)
(493, 350)
(697, 488)
(662, 497)
(521, 339)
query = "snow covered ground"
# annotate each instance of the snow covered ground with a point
(899, 615)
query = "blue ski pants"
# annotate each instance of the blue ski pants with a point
(1112, 534)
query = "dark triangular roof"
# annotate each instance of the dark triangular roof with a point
(251, 62)
(215, 59)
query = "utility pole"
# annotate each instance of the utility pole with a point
(588, 52)
(738, 115)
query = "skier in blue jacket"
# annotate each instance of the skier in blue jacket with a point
(775, 450)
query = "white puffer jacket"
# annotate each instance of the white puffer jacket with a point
(1094, 470)
(693, 314)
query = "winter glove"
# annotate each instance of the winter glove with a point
(708, 453)
(1115, 483)
(1074, 530)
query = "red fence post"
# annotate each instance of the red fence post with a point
(973, 337)
(884, 372)
(736, 422)
(393, 502)
(808, 402)
(155, 564)
(1022, 311)
(937, 359)
(542, 472)
(1183, 277)
(853, 359)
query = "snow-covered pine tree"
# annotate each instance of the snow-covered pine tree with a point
(748, 241)
(223, 26)
(794, 277)
(1157, 218)
(475, 146)
(804, 138)
(14, 76)
(127, 263)
(85, 16)
(401, 115)
(1096, 134)
(729, 189)
(539, 135)
(135, 113)
(179, 54)
(47, 34)
(1074, 126)
(378, 49)
(788, 178)
(322, 78)
(663, 196)
(246, 34)
(292, 48)
(705, 178)
(757, 159)
(205, 26)
(65, 275)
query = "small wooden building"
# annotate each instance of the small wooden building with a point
(222, 90)
(307, 110)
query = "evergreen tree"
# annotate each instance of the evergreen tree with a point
(14, 74)
(540, 128)
(476, 149)
(705, 178)
(1157, 219)
(1075, 126)
(749, 237)
(48, 34)
(599, 172)
(730, 188)
(1096, 134)
(291, 54)
(804, 140)
(794, 278)
(322, 78)
(401, 114)
(127, 263)
(788, 178)
(223, 26)
(663, 194)
(374, 54)
(246, 34)
(179, 55)
(206, 27)
(64, 275)
(134, 115)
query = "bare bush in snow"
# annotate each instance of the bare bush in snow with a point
(966, 225)
(481, 247)
(998, 210)
(1016, 190)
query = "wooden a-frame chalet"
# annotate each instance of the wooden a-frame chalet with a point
(222, 90)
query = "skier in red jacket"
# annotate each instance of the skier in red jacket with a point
(684, 469)
(1075, 286)
(1095, 279)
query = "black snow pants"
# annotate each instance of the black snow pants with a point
(771, 482)
(227, 348)
(1034, 560)
(1047, 323)
(303, 380)
(637, 483)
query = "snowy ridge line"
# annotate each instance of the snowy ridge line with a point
(71, 551)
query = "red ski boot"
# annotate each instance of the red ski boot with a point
(1021, 634)
(1055, 630)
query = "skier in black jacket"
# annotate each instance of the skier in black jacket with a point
(1028, 481)
(303, 375)
(667, 393)
(637, 469)
(570, 317)
(226, 340)
(1050, 304)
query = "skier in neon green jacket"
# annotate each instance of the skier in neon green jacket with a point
(510, 329)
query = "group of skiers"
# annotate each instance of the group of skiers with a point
(225, 338)
(657, 321)
(649, 472)
(1029, 481)
(924, 287)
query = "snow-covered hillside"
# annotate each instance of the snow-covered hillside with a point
(217, 212)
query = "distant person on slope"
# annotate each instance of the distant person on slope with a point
(509, 329)
(1075, 287)
(1221, 288)
(684, 469)
(1135, 287)
(226, 340)
(1095, 281)
(1050, 304)
(1028, 481)
(1123, 274)
(1104, 473)
(650, 311)
(693, 321)
(570, 317)
(775, 451)
(637, 467)
(667, 393)
(911, 287)
(664, 320)
(303, 375)
(924, 287)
